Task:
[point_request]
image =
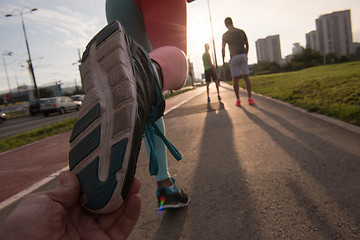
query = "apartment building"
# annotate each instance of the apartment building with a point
(312, 40)
(334, 33)
(268, 49)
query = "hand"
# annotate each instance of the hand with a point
(57, 214)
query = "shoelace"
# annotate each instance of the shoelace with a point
(151, 129)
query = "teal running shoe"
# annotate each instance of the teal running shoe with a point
(122, 96)
(171, 198)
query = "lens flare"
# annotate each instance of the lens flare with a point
(162, 201)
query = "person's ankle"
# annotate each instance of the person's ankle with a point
(165, 183)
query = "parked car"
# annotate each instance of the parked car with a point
(2, 115)
(59, 105)
(34, 107)
(78, 98)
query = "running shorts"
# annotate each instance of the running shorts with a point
(239, 65)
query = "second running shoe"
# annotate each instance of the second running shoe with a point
(171, 198)
(122, 93)
(251, 101)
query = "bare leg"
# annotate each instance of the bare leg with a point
(207, 88)
(236, 86)
(165, 183)
(217, 86)
(247, 84)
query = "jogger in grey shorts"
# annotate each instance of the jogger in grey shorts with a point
(239, 65)
(239, 48)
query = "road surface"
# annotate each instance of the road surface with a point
(269, 171)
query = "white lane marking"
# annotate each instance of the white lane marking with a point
(183, 102)
(30, 189)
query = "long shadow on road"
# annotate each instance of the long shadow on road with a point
(220, 208)
(334, 169)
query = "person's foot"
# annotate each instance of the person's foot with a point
(171, 198)
(238, 103)
(208, 99)
(219, 97)
(251, 101)
(122, 95)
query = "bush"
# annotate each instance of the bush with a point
(307, 58)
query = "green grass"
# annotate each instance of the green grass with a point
(331, 90)
(16, 114)
(10, 115)
(21, 139)
(169, 95)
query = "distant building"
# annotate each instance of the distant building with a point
(312, 40)
(288, 58)
(297, 48)
(268, 49)
(334, 33)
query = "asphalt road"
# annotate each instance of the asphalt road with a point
(269, 171)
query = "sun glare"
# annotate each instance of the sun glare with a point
(199, 32)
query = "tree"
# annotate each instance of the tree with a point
(265, 67)
(307, 58)
(357, 52)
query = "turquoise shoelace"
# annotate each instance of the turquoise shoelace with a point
(151, 129)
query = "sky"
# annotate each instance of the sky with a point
(59, 29)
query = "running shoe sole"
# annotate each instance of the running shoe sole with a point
(174, 206)
(172, 201)
(101, 154)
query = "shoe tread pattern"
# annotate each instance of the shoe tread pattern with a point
(98, 193)
(110, 56)
(86, 146)
(85, 122)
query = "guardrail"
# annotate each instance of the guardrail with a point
(16, 110)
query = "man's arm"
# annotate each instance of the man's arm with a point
(223, 51)
(246, 43)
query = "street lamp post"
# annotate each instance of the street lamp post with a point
(79, 63)
(212, 33)
(6, 73)
(31, 68)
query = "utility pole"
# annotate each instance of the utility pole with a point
(7, 76)
(79, 63)
(31, 68)
(212, 34)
